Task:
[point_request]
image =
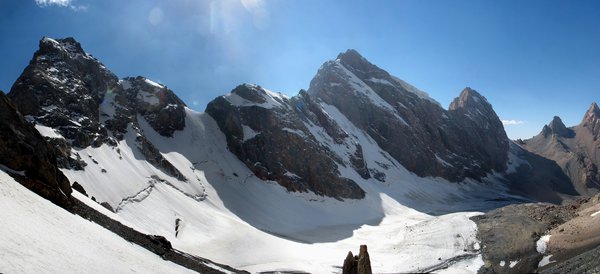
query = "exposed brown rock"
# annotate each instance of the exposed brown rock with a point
(576, 149)
(26, 155)
(360, 264)
(350, 264)
(282, 148)
(364, 262)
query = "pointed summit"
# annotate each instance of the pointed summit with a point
(593, 113)
(591, 120)
(468, 98)
(351, 54)
(558, 128)
(352, 60)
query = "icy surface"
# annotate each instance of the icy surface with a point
(39, 237)
(226, 209)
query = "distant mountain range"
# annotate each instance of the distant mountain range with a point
(357, 133)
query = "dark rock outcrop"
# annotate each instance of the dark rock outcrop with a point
(62, 88)
(466, 141)
(364, 261)
(576, 149)
(67, 89)
(76, 186)
(360, 264)
(482, 133)
(297, 142)
(350, 264)
(267, 132)
(26, 155)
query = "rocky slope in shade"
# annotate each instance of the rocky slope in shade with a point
(468, 140)
(67, 89)
(26, 155)
(576, 149)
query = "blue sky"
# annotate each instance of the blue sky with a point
(531, 59)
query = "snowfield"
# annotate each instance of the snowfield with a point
(229, 216)
(37, 236)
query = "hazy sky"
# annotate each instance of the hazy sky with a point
(531, 59)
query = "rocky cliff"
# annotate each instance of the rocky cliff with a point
(26, 155)
(576, 149)
(279, 138)
(68, 90)
(468, 140)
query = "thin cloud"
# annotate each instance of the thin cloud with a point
(513, 122)
(60, 3)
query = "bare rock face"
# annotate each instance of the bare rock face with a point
(350, 264)
(360, 264)
(482, 134)
(576, 149)
(466, 141)
(364, 262)
(268, 132)
(160, 107)
(67, 89)
(26, 155)
(62, 88)
(298, 142)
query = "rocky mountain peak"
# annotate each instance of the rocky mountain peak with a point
(67, 45)
(352, 58)
(62, 87)
(591, 120)
(593, 113)
(558, 128)
(469, 98)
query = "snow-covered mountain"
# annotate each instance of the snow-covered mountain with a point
(263, 182)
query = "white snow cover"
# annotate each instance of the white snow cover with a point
(152, 83)
(272, 99)
(545, 261)
(362, 88)
(37, 236)
(249, 133)
(48, 131)
(595, 213)
(541, 244)
(255, 225)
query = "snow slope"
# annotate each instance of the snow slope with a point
(228, 215)
(37, 236)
